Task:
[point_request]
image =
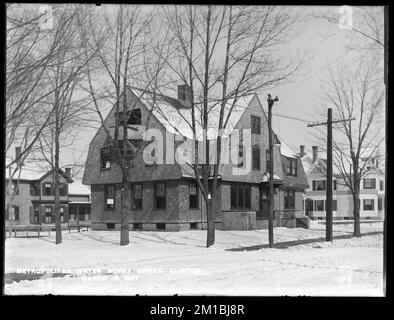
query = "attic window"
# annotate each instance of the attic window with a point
(105, 158)
(129, 117)
(135, 117)
(319, 169)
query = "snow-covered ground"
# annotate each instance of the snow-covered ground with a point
(167, 263)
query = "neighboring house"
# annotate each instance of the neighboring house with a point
(164, 196)
(372, 190)
(79, 202)
(32, 197)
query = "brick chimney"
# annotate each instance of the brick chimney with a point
(18, 156)
(315, 153)
(302, 150)
(68, 172)
(185, 94)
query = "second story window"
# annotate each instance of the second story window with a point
(160, 195)
(318, 185)
(369, 183)
(14, 188)
(291, 167)
(63, 189)
(256, 124)
(109, 197)
(105, 158)
(47, 189)
(136, 198)
(256, 158)
(381, 185)
(34, 189)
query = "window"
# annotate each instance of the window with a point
(193, 226)
(319, 205)
(47, 189)
(15, 214)
(48, 214)
(289, 199)
(72, 213)
(105, 158)
(160, 195)
(241, 156)
(319, 169)
(61, 211)
(135, 117)
(369, 183)
(14, 187)
(109, 197)
(111, 226)
(160, 226)
(368, 204)
(193, 195)
(63, 189)
(240, 196)
(136, 198)
(380, 203)
(36, 215)
(267, 160)
(381, 185)
(291, 167)
(256, 158)
(34, 189)
(137, 226)
(263, 199)
(319, 185)
(256, 124)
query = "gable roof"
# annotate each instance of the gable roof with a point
(30, 174)
(178, 120)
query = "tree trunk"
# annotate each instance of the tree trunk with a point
(57, 179)
(57, 203)
(124, 216)
(210, 223)
(356, 213)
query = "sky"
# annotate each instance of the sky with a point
(300, 100)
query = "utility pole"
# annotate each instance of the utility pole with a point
(329, 123)
(271, 173)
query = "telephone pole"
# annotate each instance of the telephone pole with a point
(271, 173)
(329, 123)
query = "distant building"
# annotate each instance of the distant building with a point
(166, 197)
(32, 197)
(372, 190)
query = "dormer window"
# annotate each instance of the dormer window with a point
(291, 167)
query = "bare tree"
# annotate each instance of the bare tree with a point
(66, 101)
(224, 54)
(128, 54)
(355, 94)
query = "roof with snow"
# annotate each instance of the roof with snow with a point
(77, 188)
(30, 174)
(177, 119)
